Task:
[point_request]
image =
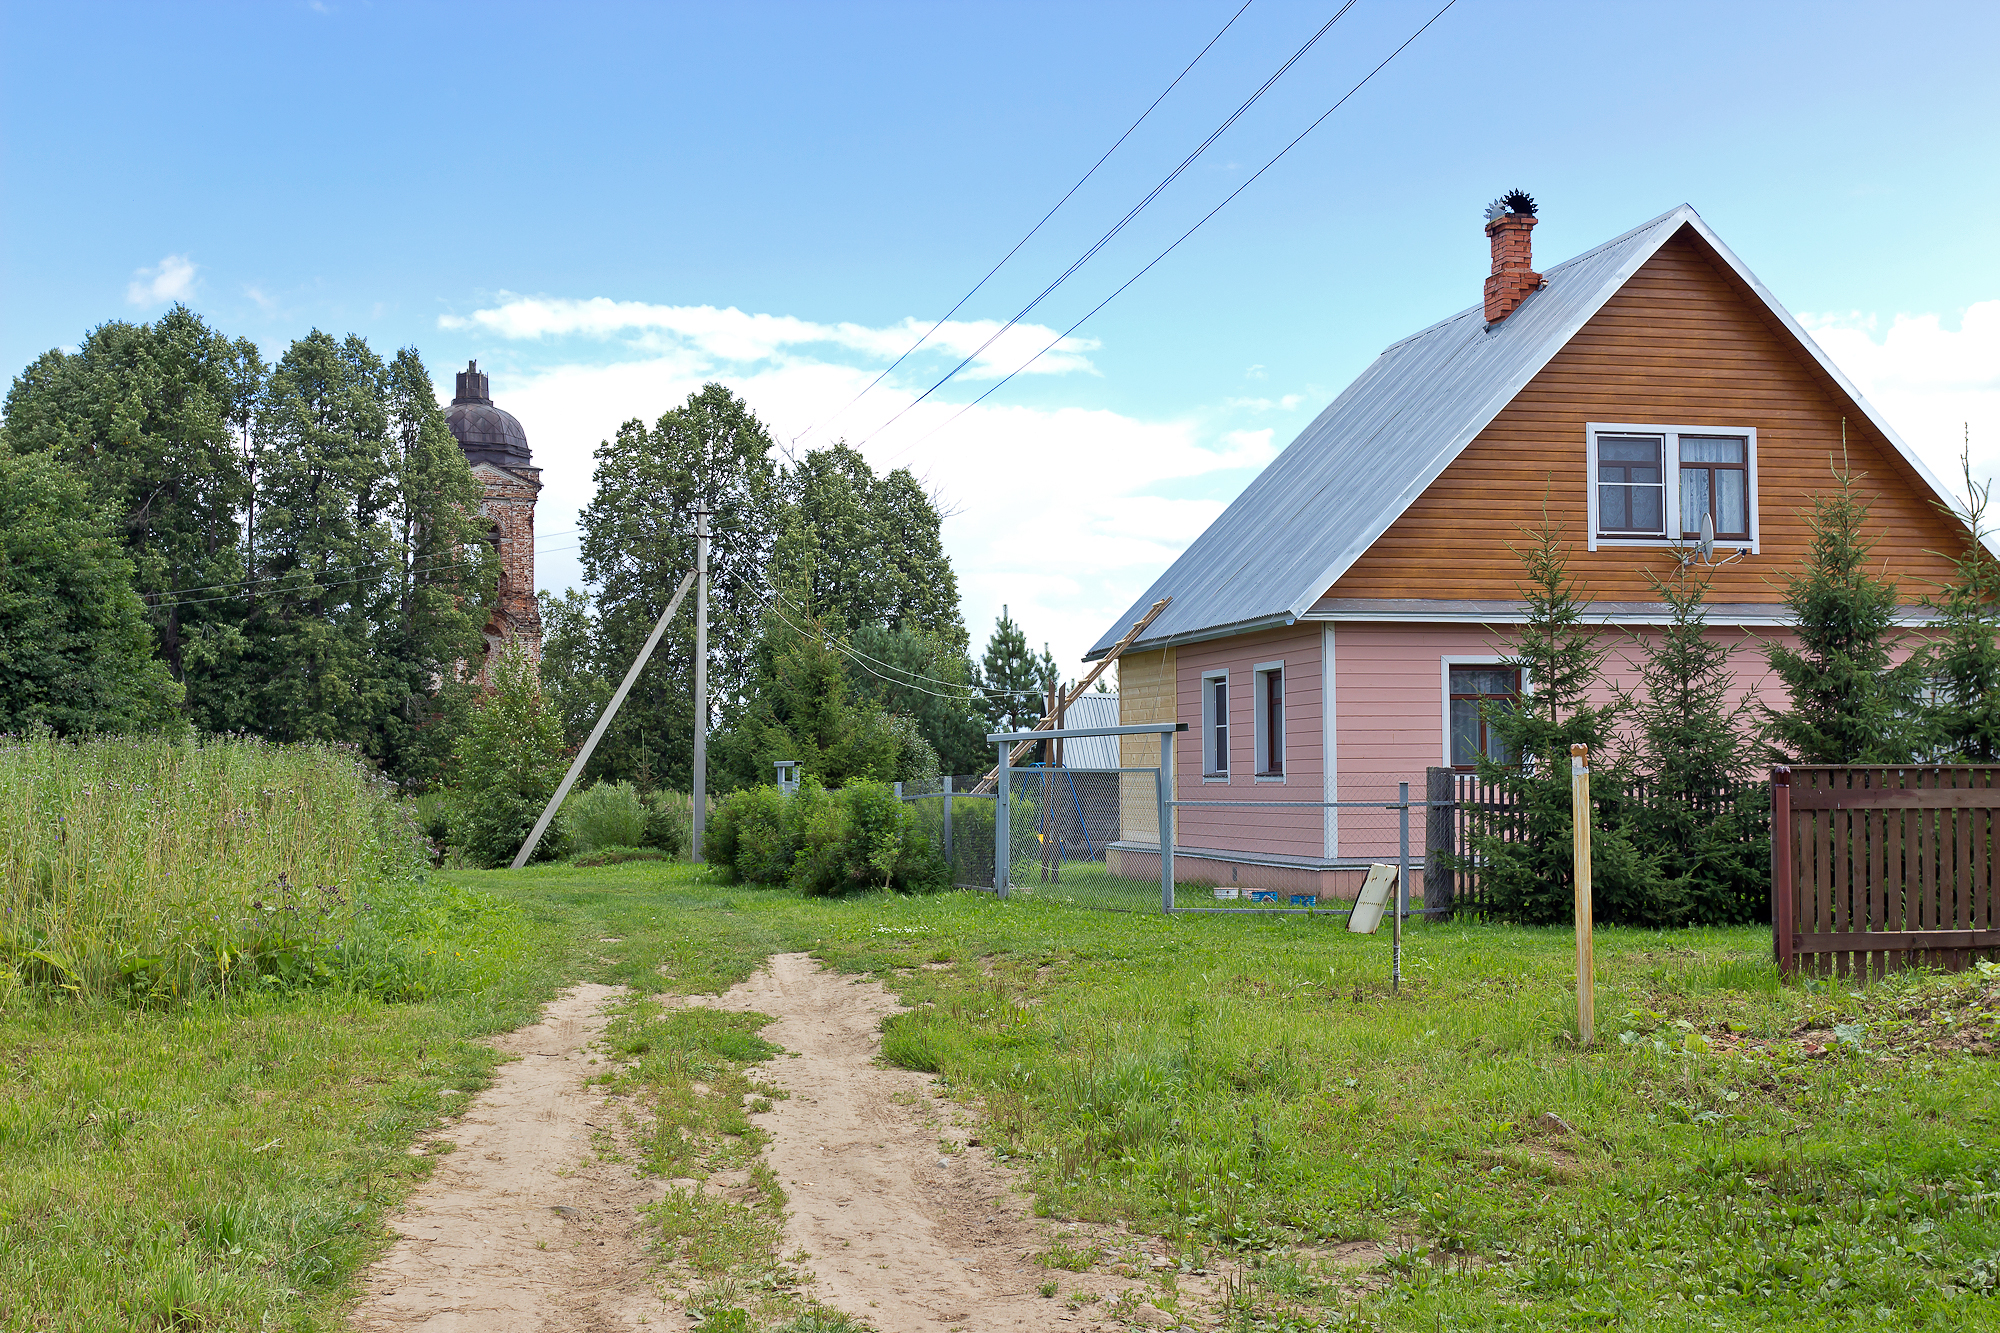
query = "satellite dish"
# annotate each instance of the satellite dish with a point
(1707, 537)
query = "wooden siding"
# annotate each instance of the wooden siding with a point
(1678, 345)
(1285, 832)
(1145, 694)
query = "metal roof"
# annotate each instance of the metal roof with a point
(1320, 504)
(488, 434)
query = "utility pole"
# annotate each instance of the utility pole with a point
(700, 682)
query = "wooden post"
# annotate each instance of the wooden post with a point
(1579, 805)
(1783, 915)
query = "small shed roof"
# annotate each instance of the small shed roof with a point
(1093, 709)
(1335, 489)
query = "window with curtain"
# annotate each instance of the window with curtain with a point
(1474, 693)
(1631, 486)
(1715, 480)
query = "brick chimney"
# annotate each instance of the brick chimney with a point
(1509, 220)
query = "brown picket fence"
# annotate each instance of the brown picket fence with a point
(1874, 867)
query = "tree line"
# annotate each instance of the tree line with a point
(194, 538)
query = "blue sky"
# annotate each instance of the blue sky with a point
(609, 204)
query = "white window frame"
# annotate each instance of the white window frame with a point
(1262, 730)
(1209, 679)
(1670, 449)
(1445, 664)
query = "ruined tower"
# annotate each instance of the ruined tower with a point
(497, 448)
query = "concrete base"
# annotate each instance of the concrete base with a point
(1190, 867)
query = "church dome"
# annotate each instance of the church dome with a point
(487, 434)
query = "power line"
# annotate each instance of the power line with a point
(1120, 226)
(1031, 231)
(1176, 245)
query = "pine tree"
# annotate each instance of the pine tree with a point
(1851, 701)
(1012, 678)
(1699, 815)
(1530, 875)
(1965, 656)
(508, 762)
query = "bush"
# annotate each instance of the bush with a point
(820, 829)
(823, 842)
(609, 814)
(670, 823)
(508, 763)
(751, 836)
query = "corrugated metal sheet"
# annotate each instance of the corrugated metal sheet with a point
(1336, 488)
(1092, 709)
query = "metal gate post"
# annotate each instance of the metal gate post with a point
(1001, 830)
(950, 864)
(1163, 781)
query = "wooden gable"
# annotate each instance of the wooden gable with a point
(1681, 343)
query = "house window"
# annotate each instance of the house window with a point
(1270, 678)
(1215, 725)
(1631, 486)
(1652, 485)
(1474, 693)
(1715, 480)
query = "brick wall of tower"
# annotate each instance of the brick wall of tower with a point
(509, 502)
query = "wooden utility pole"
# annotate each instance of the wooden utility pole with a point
(1049, 722)
(1586, 980)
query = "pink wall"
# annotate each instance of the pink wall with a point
(1389, 711)
(1283, 832)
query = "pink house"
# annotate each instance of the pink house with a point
(1332, 633)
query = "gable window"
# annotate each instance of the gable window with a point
(1215, 724)
(1270, 747)
(1631, 486)
(1473, 692)
(1652, 485)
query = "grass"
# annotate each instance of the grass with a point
(1735, 1153)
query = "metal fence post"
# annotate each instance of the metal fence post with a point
(1163, 781)
(1402, 885)
(1001, 830)
(950, 864)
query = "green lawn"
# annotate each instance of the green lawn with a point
(1738, 1154)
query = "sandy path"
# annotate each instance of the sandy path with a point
(520, 1229)
(900, 1234)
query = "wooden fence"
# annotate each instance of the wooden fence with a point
(1880, 867)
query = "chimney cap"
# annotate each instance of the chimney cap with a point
(1514, 201)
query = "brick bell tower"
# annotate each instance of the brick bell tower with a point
(497, 448)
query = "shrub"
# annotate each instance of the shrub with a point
(874, 835)
(751, 836)
(509, 762)
(609, 814)
(820, 828)
(670, 825)
(823, 842)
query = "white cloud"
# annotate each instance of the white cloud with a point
(731, 335)
(172, 279)
(1049, 510)
(1932, 383)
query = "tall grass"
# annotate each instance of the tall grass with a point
(154, 869)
